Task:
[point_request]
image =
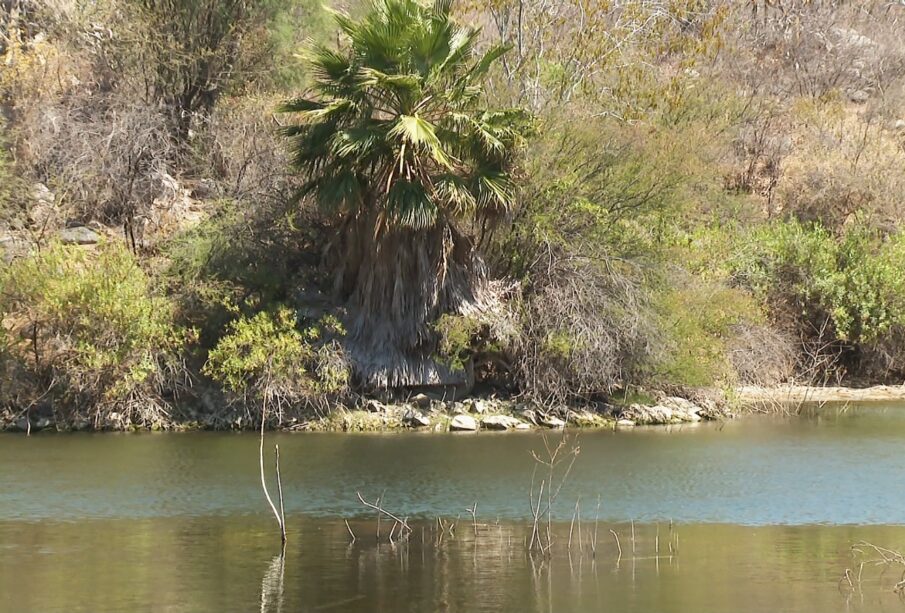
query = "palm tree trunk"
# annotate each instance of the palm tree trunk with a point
(395, 285)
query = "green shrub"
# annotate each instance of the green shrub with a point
(89, 328)
(699, 321)
(267, 359)
(855, 280)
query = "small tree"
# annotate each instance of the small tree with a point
(400, 151)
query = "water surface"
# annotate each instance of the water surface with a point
(766, 513)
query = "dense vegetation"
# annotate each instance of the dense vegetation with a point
(210, 203)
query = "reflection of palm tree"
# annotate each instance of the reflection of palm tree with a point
(272, 586)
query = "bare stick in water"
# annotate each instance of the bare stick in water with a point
(633, 537)
(264, 480)
(276, 451)
(349, 528)
(618, 546)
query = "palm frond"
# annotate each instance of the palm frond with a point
(421, 133)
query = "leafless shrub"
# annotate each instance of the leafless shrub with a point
(244, 155)
(762, 355)
(106, 159)
(813, 47)
(587, 328)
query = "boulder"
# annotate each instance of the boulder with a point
(78, 235)
(499, 422)
(522, 426)
(463, 423)
(859, 96)
(415, 419)
(421, 401)
(375, 406)
(625, 423)
(550, 421)
(530, 415)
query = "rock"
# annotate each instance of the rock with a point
(42, 211)
(459, 408)
(375, 406)
(478, 406)
(421, 401)
(625, 423)
(551, 421)
(681, 405)
(859, 96)
(78, 235)
(463, 423)
(499, 422)
(42, 424)
(522, 426)
(415, 419)
(899, 125)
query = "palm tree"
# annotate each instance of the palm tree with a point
(401, 154)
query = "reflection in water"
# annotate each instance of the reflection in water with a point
(227, 565)
(272, 585)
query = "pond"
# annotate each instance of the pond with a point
(758, 514)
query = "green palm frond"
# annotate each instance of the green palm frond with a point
(420, 133)
(396, 121)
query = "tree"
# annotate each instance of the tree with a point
(399, 150)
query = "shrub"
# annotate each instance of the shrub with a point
(88, 327)
(700, 323)
(266, 359)
(842, 165)
(588, 327)
(846, 287)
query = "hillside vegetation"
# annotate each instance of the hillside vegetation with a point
(217, 205)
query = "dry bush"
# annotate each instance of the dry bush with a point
(587, 328)
(105, 158)
(244, 155)
(842, 164)
(760, 145)
(815, 47)
(762, 355)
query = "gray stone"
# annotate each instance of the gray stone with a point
(375, 406)
(859, 96)
(463, 423)
(522, 426)
(625, 423)
(550, 421)
(421, 401)
(415, 419)
(499, 422)
(78, 235)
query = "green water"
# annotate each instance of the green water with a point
(765, 511)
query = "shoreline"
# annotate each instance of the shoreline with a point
(423, 414)
(804, 394)
(418, 414)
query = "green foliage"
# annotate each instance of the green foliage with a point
(236, 261)
(396, 127)
(268, 358)
(457, 339)
(91, 325)
(698, 319)
(855, 279)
